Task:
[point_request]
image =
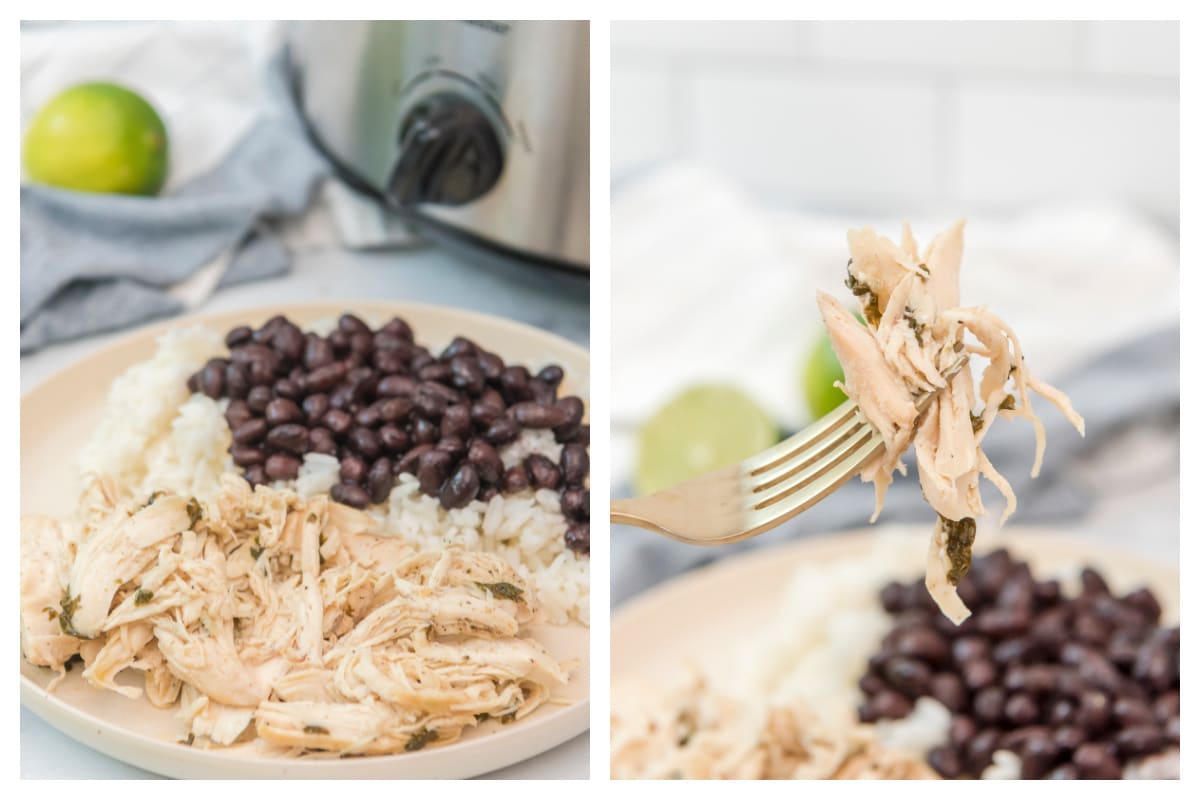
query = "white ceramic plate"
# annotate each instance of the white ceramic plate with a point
(59, 414)
(698, 616)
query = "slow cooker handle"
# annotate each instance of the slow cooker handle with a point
(449, 154)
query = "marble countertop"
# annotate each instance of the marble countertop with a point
(554, 302)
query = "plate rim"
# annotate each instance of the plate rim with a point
(456, 760)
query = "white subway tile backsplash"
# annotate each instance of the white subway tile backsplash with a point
(1133, 48)
(1025, 46)
(742, 38)
(1018, 145)
(643, 118)
(816, 139)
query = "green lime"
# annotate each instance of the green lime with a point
(818, 373)
(702, 429)
(98, 137)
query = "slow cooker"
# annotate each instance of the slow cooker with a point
(475, 130)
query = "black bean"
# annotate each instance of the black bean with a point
(907, 675)
(256, 475)
(1002, 622)
(430, 404)
(456, 421)
(1094, 711)
(290, 437)
(484, 414)
(466, 374)
(1035, 678)
(315, 406)
(393, 438)
(1130, 712)
(361, 346)
(353, 469)
(380, 480)
(1153, 666)
(945, 762)
(892, 597)
(514, 384)
(237, 412)
(396, 386)
(1021, 709)
(1171, 730)
(551, 374)
(532, 415)
(362, 382)
(493, 398)
(1166, 706)
(320, 440)
(543, 473)
(409, 462)
(578, 538)
(286, 387)
(491, 365)
(1060, 711)
(338, 421)
(1063, 772)
(435, 373)
(424, 431)
(390, 362)
(1092, 582)
(421, 358)
(342, 398)
(237, 382)
(541, 392)
(212, 379)
(366, 442)
(868, 684)
(948, 689)
(1038, 755)
(1145, 603)
(573, 407)
(246, 456)
(453, 445)
(576, 504)
(282, 467)
(575, 464)
(890, 704)
(340, 341)
(249, 354)
(1046, 592)
(282, 410)
(486, 493)
(193, 382)
(394, 409)
(486, 460)
(432, 469)
(289, 341)
(250, 431)
(267, 331)
(962, 730)
(921, 642)
(351, 494)
(461, 488)
(979, 750)
(258, 398)
(239, 335)
(398, 327)
(988, 704)
(1094, 762)
(324, 378)
(352, 324)
(1091, 629)
(367, 417)
(979, 673)
(516, 479)
(502, 431)
(1140, 740)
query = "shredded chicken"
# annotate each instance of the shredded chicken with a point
(916, 329)
(692, 731)
(260, 613)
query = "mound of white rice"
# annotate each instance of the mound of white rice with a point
(155, 435)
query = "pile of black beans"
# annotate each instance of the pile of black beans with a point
(384, 405)
(1076, 687)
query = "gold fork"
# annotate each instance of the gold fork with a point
(767, 489)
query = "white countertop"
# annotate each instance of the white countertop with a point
(557, 303)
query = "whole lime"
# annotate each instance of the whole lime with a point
(98, 137)
(818, 372)
(704, 428)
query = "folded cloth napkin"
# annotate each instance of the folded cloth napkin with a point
(1137, 382)
(94, 262)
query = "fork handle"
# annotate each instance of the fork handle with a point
(624, 512)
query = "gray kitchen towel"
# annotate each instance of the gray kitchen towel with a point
(1136, 383)
(97, 262)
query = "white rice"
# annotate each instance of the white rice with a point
(154, 435)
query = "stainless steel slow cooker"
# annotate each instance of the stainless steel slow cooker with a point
(475, 130)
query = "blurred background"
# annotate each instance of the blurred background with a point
(741, 153)
(201, 167)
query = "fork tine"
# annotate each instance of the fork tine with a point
(817, 490)
(776, 455)
(804, 456)
(837, 459)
